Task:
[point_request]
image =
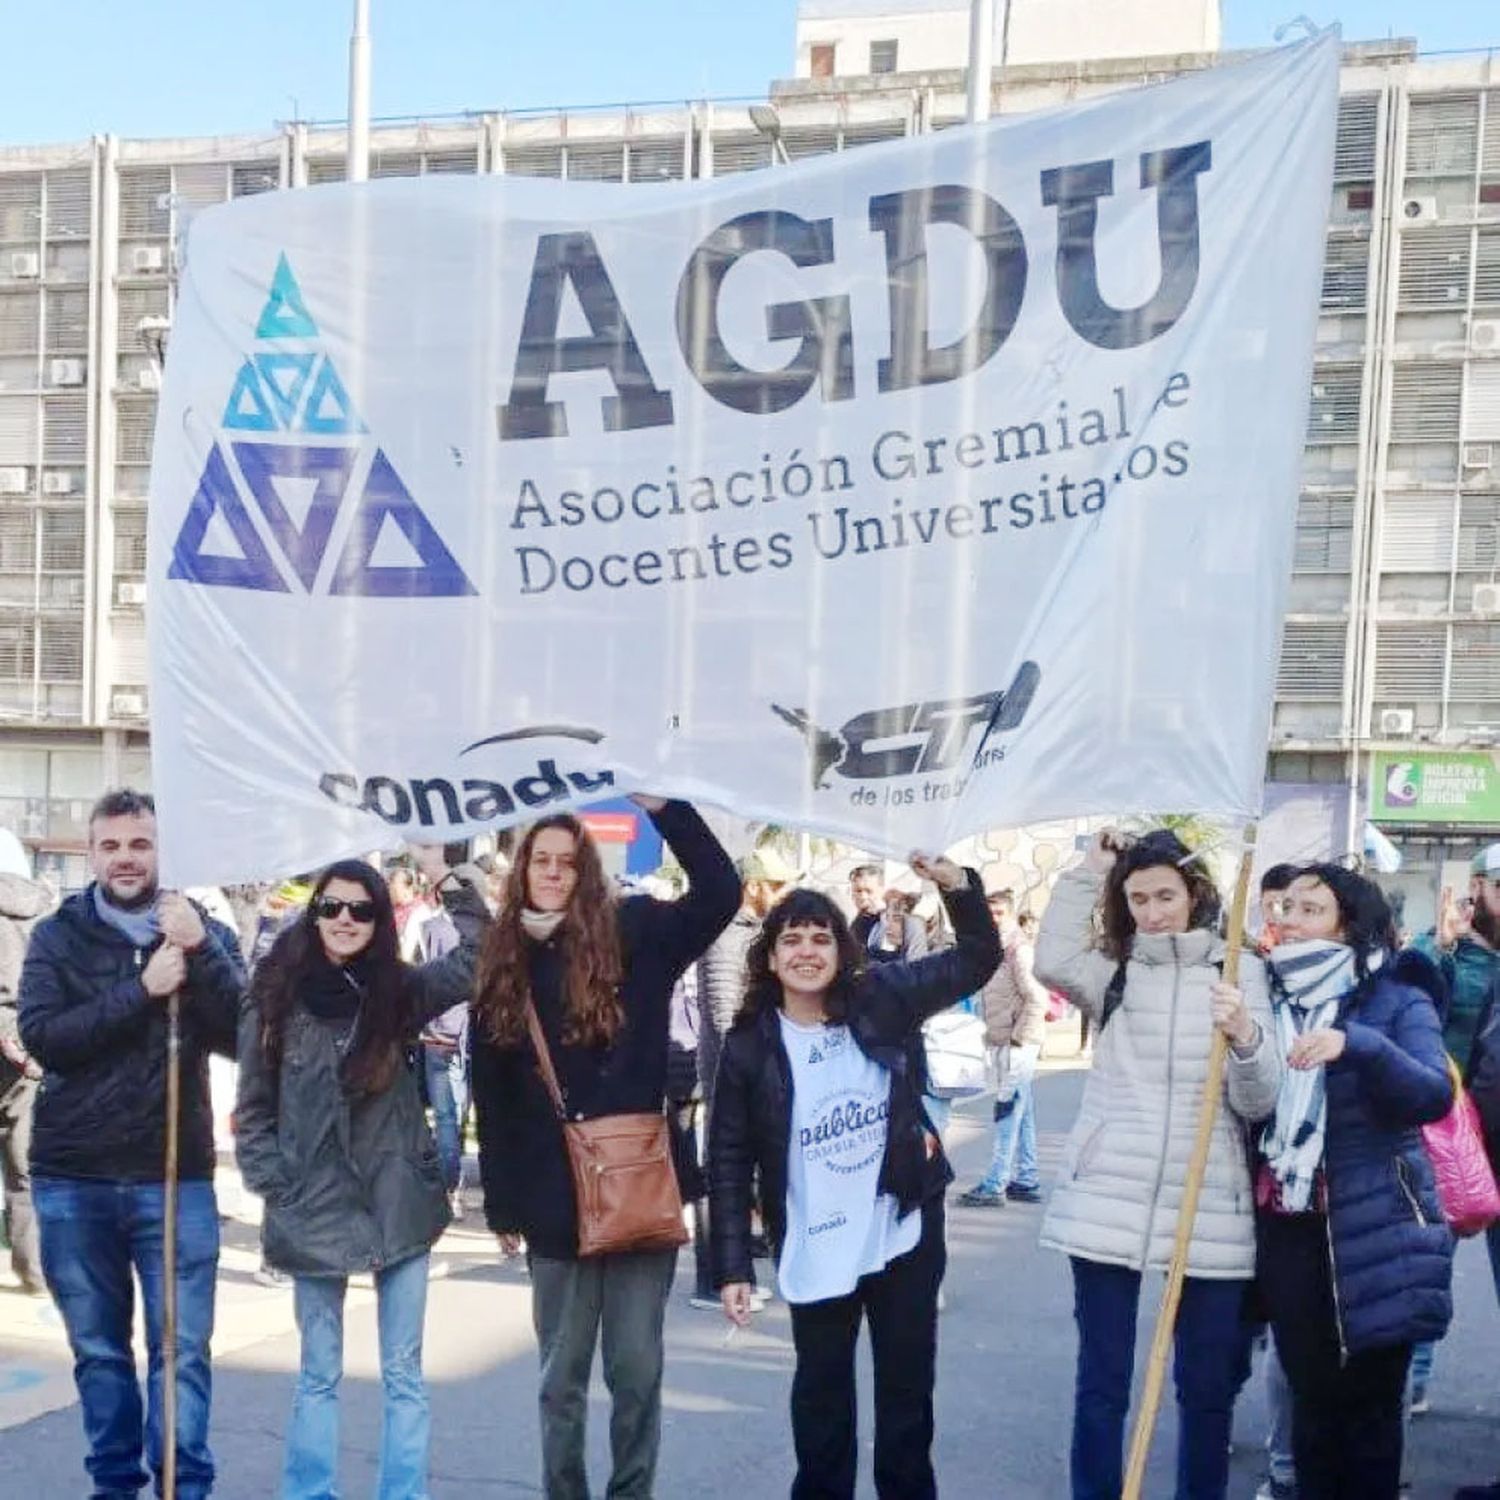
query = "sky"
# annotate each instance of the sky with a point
(205, 67)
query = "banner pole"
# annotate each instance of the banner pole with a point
(169, 1253)
(1166, 1320)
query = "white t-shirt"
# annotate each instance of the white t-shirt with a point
(839, 1227)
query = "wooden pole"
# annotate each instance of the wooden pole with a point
(1166, 1321)
(169, 1255)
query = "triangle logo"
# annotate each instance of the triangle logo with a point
(217, 500)
(285, 315)
(247, 409)
(283, 378)
(263, 464)
(329, 412)
(386, 501)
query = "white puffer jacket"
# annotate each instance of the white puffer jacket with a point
(1126, 1161)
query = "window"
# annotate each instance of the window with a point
(883, 57)
(822, 59)
(1360, 199)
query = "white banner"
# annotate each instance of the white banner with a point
(900, 493)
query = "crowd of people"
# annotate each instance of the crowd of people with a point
(746, 1060)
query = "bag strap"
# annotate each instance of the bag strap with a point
(544, 1059)
(1114, 995)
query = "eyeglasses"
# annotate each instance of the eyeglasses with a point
(328, 910)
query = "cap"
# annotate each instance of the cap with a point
(1487, 862)
(767, 864)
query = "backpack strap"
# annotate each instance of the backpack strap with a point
(1114, 995)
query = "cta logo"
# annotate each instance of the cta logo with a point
(914, 738)
(292, 442)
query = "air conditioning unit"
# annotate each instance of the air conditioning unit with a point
(1396, 723)
(56, 483)
(131, 593)
(66, 372)
(1484, 335)
(148, 378)
(127, 704)
(25, 265)
(1479, 456)
(147, 258)
(13, 481)
(1419, 211)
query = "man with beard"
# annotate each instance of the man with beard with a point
(94, 993)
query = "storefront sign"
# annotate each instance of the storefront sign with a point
(1435, 787)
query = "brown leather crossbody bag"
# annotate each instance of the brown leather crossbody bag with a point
(623, 1178)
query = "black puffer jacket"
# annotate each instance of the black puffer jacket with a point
(528, 1188)
(102, 1041)
(351, 1181)
(750, 1129)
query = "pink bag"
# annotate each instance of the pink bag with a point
(1461, 1165)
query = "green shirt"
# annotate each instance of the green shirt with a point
(1469, 968)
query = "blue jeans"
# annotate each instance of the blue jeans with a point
(1014, 1157)
(311, 1470)
(93, 1235)
(448, 1090)
(1210, 1346)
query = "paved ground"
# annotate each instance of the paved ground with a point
(1003, 1401)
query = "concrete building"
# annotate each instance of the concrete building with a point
(847, 38)
(1391, 661)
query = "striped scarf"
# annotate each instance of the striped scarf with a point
(1310, 979)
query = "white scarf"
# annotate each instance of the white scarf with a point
(540, 925)
(1311, 979)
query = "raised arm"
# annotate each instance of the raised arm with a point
(1066, 958)
(689, 924)
(449, 980)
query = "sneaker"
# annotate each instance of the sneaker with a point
(983, 1196)
(1276, 1489)
(704, 1303)
(269, 1276)
(759, 1297)
(1018, 1194)
(1420, 1405)
(1478, 1492)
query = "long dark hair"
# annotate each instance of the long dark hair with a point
(800, 908)
(385, 1019)
(1364, 913)
(590, 938)
(1161, 848)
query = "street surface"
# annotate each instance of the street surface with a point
(1004, 1390)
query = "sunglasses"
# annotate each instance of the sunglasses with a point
(329, 910)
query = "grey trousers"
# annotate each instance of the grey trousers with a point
(620, 1300)
(15, 1169)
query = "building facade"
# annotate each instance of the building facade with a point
(1392, 642)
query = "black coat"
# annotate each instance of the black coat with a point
(102, 1041)
(528, 1188)
(750, 1128)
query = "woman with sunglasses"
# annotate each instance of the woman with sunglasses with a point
(331, 1132)
(1156, 993)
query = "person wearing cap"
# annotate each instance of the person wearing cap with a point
(764, 874)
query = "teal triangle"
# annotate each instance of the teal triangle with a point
(328, 409)
(248, 410)
(283, 380)
(285, 315)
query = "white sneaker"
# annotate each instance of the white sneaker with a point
(759, 1297)
(705, 1304)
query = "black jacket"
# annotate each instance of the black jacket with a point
(750, 1128)
(102, 1041)
(1483, 1076)
(351, 1182)
(528, 1188)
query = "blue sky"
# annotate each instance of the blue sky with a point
(198, 67)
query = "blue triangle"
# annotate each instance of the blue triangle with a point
(264, 463)
(283, 378)
(216, 493)
(386, 499)
(327, 387)
(285, 315)
(248, 410)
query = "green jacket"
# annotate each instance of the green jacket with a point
(1469, 970)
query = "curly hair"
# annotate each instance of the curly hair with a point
(1156, 850)
(386, 1020)
(800, 908)
(590, 939)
